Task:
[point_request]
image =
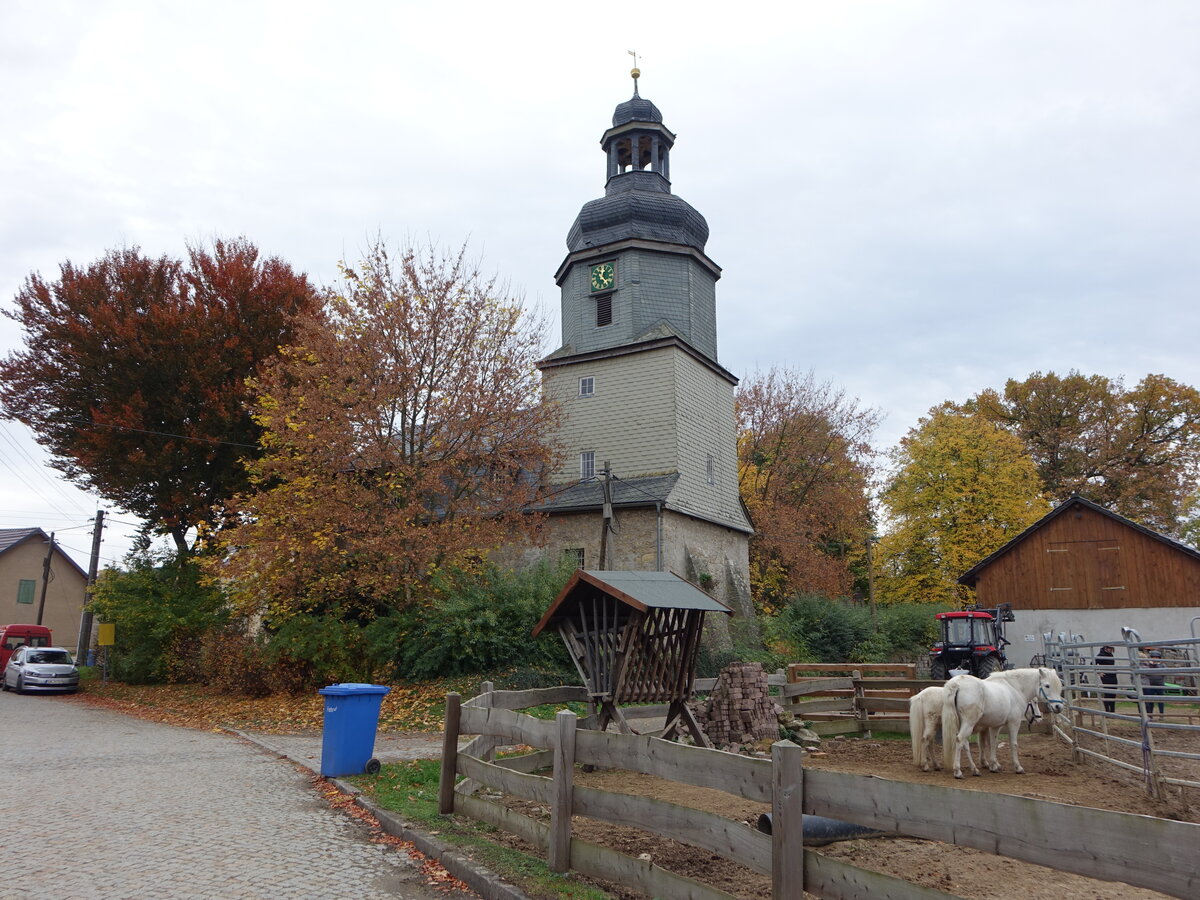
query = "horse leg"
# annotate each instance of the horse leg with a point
(933, 721)
(964, 741)
(1013, 728)
(916, 726)
(993, 743)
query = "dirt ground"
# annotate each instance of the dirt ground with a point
(1050, 775)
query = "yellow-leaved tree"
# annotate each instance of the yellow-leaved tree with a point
(403, 433)
(961, 488)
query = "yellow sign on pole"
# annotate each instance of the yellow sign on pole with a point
(107, 635)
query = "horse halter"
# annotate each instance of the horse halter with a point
(1055, 705)
(1034, 714)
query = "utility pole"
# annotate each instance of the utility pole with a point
(85, 620)
(871, 539)
(45, 579)
(606, 516)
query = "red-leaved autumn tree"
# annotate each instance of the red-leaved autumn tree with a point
(804, 463)
(134, 373)
(403, 434)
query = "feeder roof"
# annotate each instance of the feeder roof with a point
(639, 590)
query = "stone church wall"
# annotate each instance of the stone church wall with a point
(705, 554)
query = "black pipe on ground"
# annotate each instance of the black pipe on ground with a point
(819, 831)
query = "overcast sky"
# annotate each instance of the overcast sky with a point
(917, 200)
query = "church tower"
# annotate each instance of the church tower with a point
(650, 478)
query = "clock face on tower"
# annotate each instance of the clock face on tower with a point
(604, 276)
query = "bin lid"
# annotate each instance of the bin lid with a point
(351, 687)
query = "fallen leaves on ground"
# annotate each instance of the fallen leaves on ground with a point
(436, 875)
(417, 706)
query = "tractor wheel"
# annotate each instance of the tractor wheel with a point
(987, 666)
(937, 670)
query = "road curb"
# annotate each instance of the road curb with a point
(481, 880)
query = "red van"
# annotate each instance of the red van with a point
(13, 636)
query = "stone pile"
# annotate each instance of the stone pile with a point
(740, 709)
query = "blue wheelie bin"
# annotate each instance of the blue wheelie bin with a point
(351, 717)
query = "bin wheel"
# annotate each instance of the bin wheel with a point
(372, 767)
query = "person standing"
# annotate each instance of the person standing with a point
(1105, 658)
(1153, 683)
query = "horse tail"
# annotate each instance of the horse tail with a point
(949, 724)
(916, 726)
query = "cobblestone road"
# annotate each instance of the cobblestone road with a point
(99, 805)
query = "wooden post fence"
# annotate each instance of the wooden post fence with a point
(787, 813)
(559, 855)
(1140, 850)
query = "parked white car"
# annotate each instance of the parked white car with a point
(40, 669)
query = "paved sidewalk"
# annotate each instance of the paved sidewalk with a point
(101, 805)
(305, 748)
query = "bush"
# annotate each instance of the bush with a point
(234, 663)
(820, 629)
(161, 608)
(307, 651)
(480, 623)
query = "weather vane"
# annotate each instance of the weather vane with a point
(636, 71)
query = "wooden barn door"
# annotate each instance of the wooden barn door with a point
(1087, 575)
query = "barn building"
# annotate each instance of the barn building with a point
(1083, 569)
(649, 480)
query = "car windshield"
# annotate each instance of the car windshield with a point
(49, 656)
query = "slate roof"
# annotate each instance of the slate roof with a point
(971, 576)
(636, 109)
(626, 492)
(640, 590)
(11, 537)
(637, 204)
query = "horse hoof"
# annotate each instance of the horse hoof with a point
(1020, 771)
(958, 775)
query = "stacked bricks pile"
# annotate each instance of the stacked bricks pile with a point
(740, 709)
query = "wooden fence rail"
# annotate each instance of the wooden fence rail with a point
(1141, 850)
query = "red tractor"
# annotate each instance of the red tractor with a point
(972, 640)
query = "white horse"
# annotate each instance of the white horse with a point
(970, 705)
(924, 718)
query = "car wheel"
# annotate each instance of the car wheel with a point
(20, 685)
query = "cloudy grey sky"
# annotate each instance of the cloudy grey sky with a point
(917, 200)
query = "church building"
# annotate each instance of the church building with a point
(648, 430)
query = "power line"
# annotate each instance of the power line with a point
(39, 467)
(182, 437)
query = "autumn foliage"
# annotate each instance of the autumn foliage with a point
(804, 463)
(962, 487)
(403, 434)
(1133, 450)
(133, 373)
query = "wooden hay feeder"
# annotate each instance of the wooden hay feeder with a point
(634, 637)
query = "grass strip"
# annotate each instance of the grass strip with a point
(410, 789)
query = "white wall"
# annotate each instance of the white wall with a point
(1154, 624)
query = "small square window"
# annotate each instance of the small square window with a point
(604, 310)
(25, 590)
(587, 386)
(576, 556)
(587, 465)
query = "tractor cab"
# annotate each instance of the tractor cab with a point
(972, 640)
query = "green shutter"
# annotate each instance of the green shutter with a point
(25, 590)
